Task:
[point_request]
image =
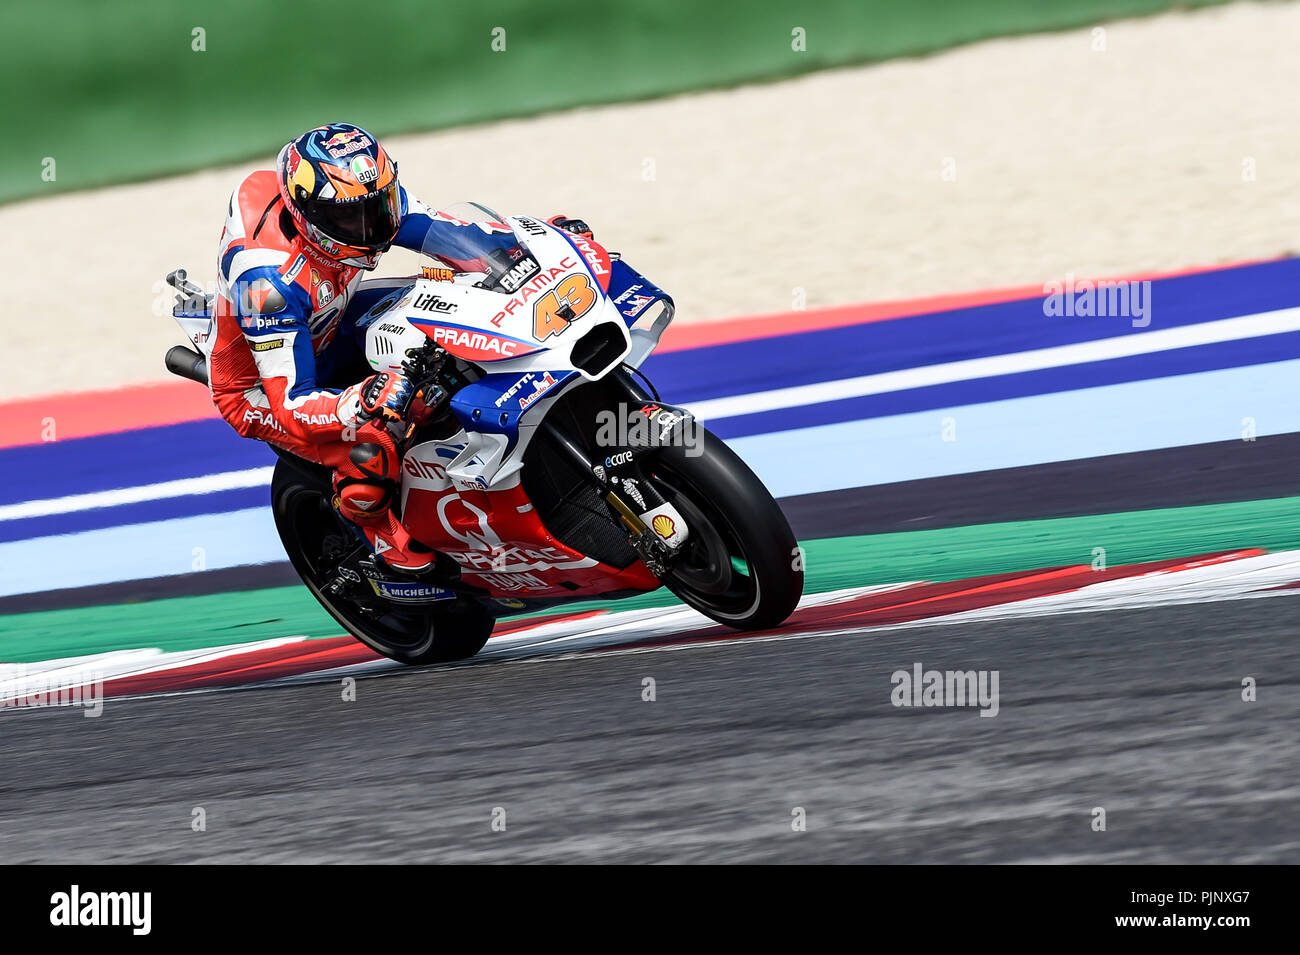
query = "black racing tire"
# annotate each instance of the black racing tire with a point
(741, 565)
(309, 528)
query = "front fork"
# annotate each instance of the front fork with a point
(655, 527)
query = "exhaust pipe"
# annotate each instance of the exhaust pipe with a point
(187, 363)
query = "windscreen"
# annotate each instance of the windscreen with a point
(484, 243)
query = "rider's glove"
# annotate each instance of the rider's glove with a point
(394, 399)
(424, 404)
(576, 226)
(385, 397)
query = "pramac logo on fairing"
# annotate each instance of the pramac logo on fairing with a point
(474, 345)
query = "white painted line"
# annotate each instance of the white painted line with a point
(18, 679)
(207, 484)
(1241, 579)
(1057, 356)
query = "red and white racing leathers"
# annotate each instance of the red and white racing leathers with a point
(284, 328)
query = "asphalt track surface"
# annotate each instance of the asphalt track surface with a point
(1136, 711)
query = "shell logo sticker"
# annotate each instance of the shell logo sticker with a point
(663, 526)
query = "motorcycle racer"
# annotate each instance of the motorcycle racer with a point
(286, 365)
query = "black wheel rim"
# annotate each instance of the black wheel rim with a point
(322, 538)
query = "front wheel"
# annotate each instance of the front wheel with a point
(740, 564)
(318, 541)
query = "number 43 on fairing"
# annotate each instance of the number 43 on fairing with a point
(571, 299)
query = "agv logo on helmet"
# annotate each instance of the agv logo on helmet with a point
(341, 190)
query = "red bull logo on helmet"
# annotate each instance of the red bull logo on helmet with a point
(346, 143)
(339, 139)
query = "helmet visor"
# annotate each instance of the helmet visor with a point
(370, 222)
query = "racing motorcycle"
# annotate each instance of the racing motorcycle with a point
(551, 472)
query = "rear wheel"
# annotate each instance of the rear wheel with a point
(741, 564)
(318, 541)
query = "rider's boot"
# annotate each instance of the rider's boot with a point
(364, 489)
